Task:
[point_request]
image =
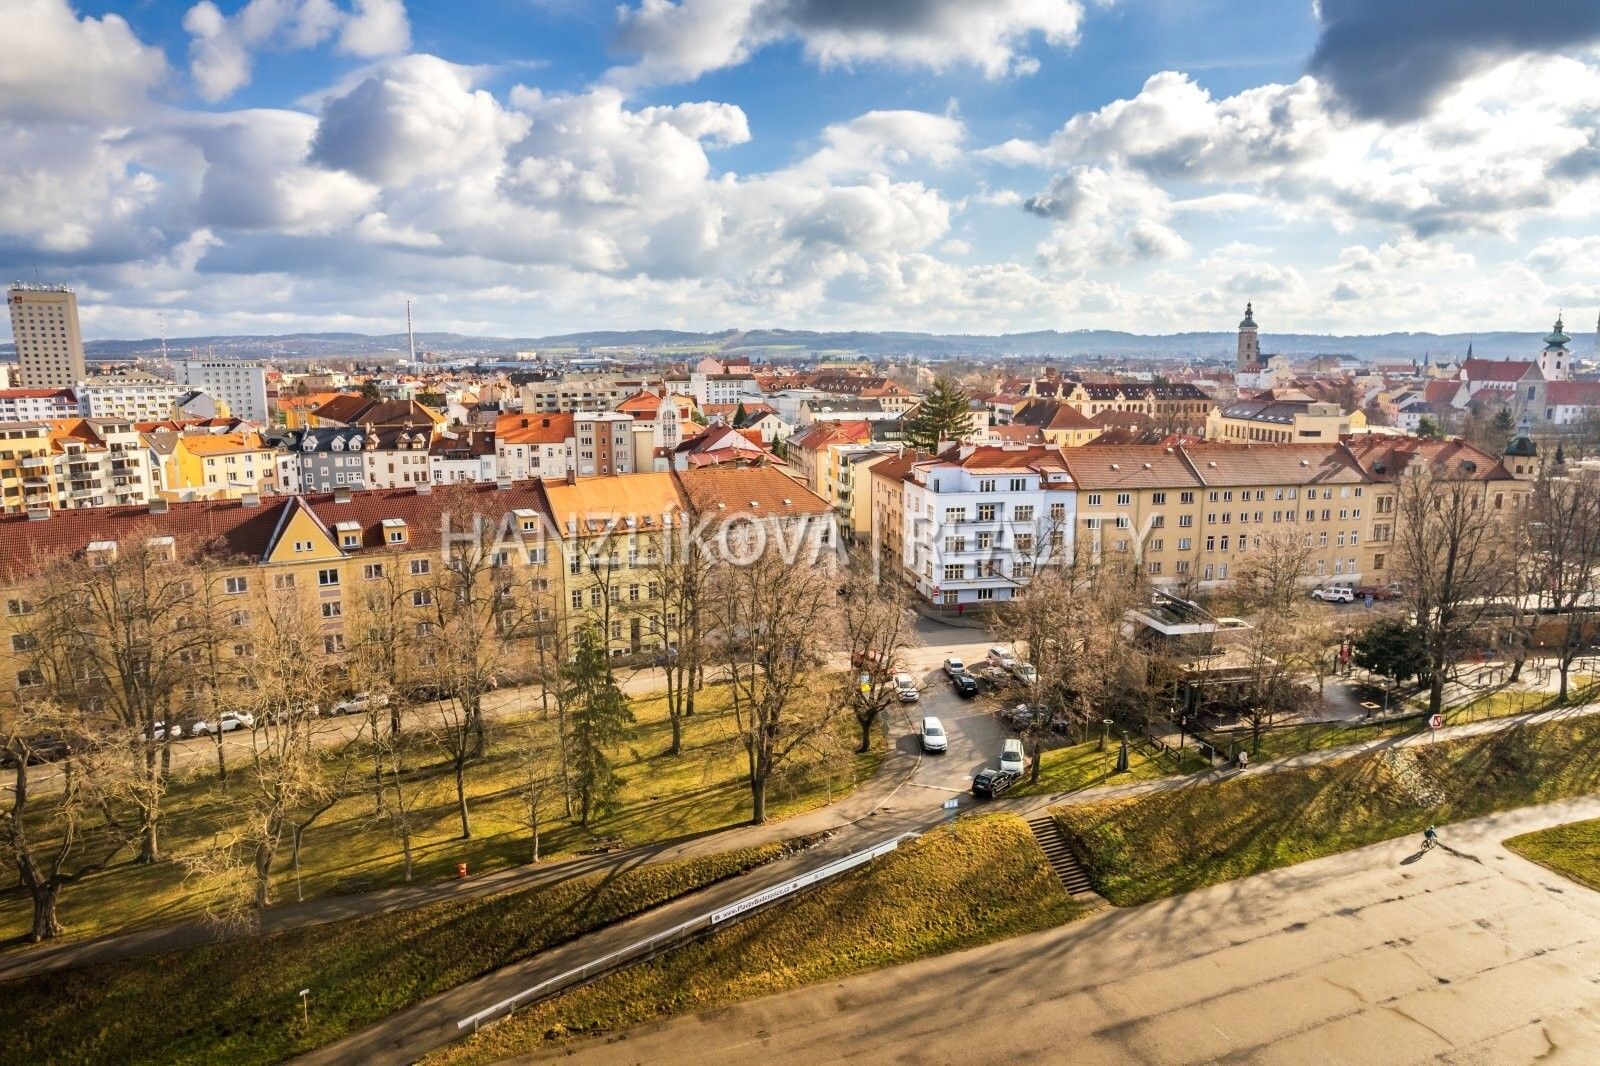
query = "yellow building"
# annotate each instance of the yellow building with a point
(1282, 416)
(216, 465)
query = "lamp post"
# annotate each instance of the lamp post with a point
(1105, 730)
(305, 1009)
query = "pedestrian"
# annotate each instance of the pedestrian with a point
(1244, 760)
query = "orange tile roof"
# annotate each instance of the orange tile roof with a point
(533, 428)
(761, 491)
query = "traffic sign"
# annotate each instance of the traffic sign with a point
(952, 803)
(1436, 721)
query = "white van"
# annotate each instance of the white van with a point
(1011, 756)
(933, 738)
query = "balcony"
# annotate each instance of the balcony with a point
(35, 462)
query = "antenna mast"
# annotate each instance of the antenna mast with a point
(411, 338)
(163, 317)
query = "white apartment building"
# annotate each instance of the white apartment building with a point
(36, 405)
(135, 397)
(577, 393)
(6, 373)
(44, 323)
(724, 388)
(102, 463)
(242, 386)
(978, 523)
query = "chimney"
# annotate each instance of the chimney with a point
(502, 484)
(250, 499)
(572, 474)
(38, 514)
(160, 505)
(341, 496)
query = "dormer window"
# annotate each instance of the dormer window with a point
(394, 531)
(101, 553)
(349, 534)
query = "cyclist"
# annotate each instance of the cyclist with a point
(1430, 837)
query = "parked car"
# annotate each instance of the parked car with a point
(1333, 594)
(359, 703)
(1018, 717)
(226, 722)
(906, 688)
(46, 747)
(1011, 757)
(954, 666)
(1024, 672)
(1001, 657)
(160, 731)
(990, 782)
(933, 737)
(965, 684)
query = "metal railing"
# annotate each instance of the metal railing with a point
(683, 932)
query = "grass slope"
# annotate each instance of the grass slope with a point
(973, 882)
(1573, 851)
(348, 851)
(1158, 845)
(237, 1002)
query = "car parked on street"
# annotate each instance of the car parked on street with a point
(954, 665)
(965, 684)
(1334, 594)
(1011, 756)
(1024, 672)
(359, 703)
(1001, 657)
(991, 782)
(226, 722)
(933, 735)
(906, 688)
(1018, 717)
(161, 730)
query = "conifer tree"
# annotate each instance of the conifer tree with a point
(944, 416)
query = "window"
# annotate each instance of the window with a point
(1185, 521)
(955, 572)
(986, 485)
(421, 597)
(949, 599)
(1024, 542)
(239, 619)
(1213, 496)
(1181, 566)
(985, 541)
(372, 571)
(955, 514)
(1158, 498)
(1152, 568)
(18, 607)
(986, 594)
(236, 585)
(423, 629)
(332, 609)
(577, 599)
(1123, 521)
(1123, 499)
(24, 642)
(397, 536)
(1158, 521)
(29, 678)
(594, 596)
(1023, 514)
(420, 567)
(1185, 543)
(986, 512)
(333, 643)
(1211, 544)
(1094, 499)
(327, 577)
(1058, 512)
(1019, 484)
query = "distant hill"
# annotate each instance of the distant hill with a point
(781, 343)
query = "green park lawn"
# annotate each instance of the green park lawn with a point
(1165, 843)
(1573, 851)
(237, 1002)
(349, 850)
(938, 894)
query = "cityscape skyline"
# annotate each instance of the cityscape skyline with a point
(287, 166)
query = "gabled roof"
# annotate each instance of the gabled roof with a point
(1386, 458)
(1572, 394)
(533, 428)
(759, 491)
(1272, 464)
(1053, 415)
(1503, 370)
(1129, 467)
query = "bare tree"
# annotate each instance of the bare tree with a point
(54, 843)
(539, 780)
(116, 633)
(1565, 519)
(678, 576)
(774, 619)
(1449, 556)
(879, 626)
(1288, 637)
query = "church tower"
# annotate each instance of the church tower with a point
(1249, 343)
(1521, 456)
(1555, 362)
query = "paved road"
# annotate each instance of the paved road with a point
(1470, 955)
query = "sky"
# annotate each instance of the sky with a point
(529, 167)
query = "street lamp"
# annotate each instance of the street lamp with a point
(1105, 730)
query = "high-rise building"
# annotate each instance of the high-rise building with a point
(242, 386)
(1249, 342)
(44, 321)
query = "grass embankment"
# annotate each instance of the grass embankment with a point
(237, 1002)
(973, 882)
(1573, 851)
(1161, 844)
(1086, 766)
(349, 850)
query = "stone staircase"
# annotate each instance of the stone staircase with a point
(1071, 873)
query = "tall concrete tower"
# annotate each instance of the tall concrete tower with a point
(1249, 343)
(44, 321)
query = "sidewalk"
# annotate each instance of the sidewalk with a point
(896, 768)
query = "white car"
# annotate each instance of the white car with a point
(1002, 658)
(1334, 594)
(953, 666)
(933, 738)
(1011, 758)
(1024, 672)
(906, 688)
(160, 731)
(226, 723)
(359, 703)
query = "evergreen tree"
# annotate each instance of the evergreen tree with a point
(739, 416)
(597, 719)
(943, 416)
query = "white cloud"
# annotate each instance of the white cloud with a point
(679, 40)
(222, 47)
(61, 67)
